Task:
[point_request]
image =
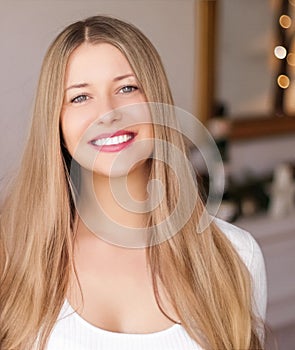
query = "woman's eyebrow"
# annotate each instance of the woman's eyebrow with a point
(77, 86)
(82, 85)
(121, 77)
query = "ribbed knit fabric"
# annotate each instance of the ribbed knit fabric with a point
(72, 332)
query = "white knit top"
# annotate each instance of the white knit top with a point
(72, 332)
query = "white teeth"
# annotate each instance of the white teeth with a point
(112, 140)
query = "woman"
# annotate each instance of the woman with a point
(175, 291)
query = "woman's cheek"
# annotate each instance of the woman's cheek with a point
(73, 128)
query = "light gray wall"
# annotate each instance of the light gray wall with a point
(245, 61)
(27, 28)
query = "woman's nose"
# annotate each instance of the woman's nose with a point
(108, 113)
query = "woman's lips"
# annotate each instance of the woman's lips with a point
(113, 142)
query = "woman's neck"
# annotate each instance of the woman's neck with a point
(114, 207)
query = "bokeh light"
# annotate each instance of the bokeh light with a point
(285, 21)
(280, 52)
(283, 81)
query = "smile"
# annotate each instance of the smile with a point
(116, 140)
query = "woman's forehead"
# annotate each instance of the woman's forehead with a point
(103, 60)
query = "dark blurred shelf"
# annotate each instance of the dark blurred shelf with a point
(251, 128)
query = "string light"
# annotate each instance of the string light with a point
(285, 21)
(280, 52)
(283, 81)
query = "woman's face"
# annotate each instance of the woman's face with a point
(105, 123)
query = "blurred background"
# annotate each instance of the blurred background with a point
(245, 95)
(231, 63)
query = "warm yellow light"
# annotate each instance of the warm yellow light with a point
(283, 81)
(291, 59)
(285, 21)
(280, 52)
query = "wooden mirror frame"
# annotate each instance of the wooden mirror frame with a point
(206, 19)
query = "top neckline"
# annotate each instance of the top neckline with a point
(70, 311)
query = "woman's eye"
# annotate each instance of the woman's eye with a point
(79, 99)
(127, 89)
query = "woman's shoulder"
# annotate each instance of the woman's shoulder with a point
(252, 256)
(242, 240)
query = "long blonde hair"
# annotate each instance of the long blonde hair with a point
(207, 282)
